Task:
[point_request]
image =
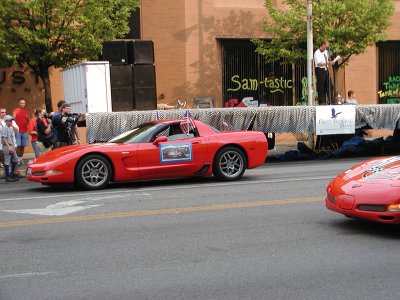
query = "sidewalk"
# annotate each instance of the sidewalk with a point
(282, 147)
(22, 167)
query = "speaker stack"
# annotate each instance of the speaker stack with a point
(132, 74)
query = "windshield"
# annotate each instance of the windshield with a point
(216, 130)
(140, 134)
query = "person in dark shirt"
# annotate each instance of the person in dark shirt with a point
(44, 130)
(67, 124)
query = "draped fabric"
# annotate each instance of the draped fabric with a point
(278, 119)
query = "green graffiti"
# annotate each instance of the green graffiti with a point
(395, 92)
(275, 84)
(391, 87)
(233, 79)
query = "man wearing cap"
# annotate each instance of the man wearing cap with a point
(3, 113)
(9, 144)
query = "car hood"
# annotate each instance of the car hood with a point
(64, 151)
(375, 171)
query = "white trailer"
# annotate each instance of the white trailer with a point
(87, 87)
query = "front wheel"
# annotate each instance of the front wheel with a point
(93, 172)
(229, 164)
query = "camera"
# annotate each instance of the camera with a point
(47, 116)
(70, 119)
(68, 122)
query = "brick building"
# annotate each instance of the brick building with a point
(203, 48)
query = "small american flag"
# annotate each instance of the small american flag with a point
(188, 123)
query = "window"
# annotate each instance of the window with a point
(245, 74)
(389, 72)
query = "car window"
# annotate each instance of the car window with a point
(174, 132)
(139, 134)
(180, 136)
(164, 132)
(209, 126)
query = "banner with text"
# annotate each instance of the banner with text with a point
(335, 119)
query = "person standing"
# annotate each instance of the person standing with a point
(68, 131)
(321, 64)
(3, 113)
(33, 132)
(46, 137)
(56, 114)
(8, 142)
(21, 116)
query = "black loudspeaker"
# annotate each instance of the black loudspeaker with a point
(143, 52)
(123, 99)
(121, 76)
(122, 91)
(144, 82)
(144, 76)
(133, 87)
(119, 52)
(145, 98)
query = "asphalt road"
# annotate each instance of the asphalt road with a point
(267, 236)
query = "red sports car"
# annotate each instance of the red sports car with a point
(369, 190)
(154, 150)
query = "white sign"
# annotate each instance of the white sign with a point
(335, 119)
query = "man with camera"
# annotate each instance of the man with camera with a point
(67, 124)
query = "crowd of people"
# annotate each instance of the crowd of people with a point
(47, 131)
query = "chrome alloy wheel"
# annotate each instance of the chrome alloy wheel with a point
(231, 164)
(94, 172)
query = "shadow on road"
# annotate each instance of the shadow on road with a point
(364, 227)
(139, 184)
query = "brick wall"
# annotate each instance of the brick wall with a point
(19, 82)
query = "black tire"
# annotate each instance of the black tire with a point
(93, 172)
(229, 164)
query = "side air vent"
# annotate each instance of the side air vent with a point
(331, 198)
(372, 207)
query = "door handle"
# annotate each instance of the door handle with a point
(196, 142)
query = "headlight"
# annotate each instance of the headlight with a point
(393, 207)
(53, 172)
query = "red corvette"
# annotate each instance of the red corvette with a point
(369, 190)
(154, 150)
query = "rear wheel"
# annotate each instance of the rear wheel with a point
(229, 164)
(93, 172)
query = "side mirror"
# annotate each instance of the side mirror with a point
(160, 139)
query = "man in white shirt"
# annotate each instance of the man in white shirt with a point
(3, 113)
(321, 64)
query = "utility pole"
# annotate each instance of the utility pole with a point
(310, 47)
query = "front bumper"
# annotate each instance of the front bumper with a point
(48, 176)
(376, 216)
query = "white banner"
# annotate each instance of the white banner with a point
(335, 119)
